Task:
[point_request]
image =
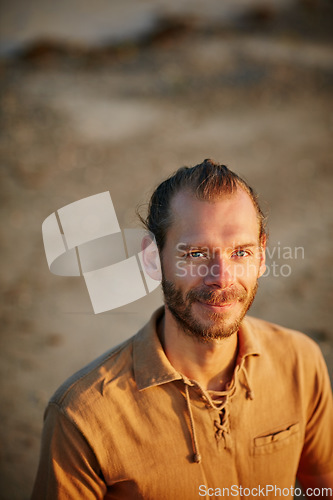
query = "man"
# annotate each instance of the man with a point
(203, 401)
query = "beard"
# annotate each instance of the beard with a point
(218, 325)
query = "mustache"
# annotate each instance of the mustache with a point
(215, 297)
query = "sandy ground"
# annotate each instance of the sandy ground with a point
(77, 123)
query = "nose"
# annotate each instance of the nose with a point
(219, 274)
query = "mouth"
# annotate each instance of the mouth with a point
(217, 307)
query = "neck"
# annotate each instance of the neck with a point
(210, 363)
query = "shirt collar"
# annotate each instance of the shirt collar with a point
(249, 341)
(151, 365)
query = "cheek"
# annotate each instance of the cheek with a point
(190, 274)
(184, 276)
(247, 272)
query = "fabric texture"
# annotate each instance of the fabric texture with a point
(129, 426)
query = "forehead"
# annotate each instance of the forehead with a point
(230, 218)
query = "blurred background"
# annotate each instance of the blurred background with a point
(116, 95)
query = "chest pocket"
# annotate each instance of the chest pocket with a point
(277, 440)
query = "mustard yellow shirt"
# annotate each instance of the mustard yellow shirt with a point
(129, 426)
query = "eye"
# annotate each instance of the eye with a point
(241, 253)
(197, 254)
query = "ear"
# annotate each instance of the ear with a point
(262, 250)
(151, 258)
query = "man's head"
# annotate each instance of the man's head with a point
(211, 238)
(208, 181)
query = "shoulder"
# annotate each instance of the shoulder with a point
(292, 359)
(284, 344)
(89, 383)
(267, 331)
(105, 384)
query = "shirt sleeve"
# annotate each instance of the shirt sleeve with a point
(68, 468)
(317, 454)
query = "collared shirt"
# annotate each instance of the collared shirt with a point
(129, 426)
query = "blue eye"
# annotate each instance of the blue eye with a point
(241, 253)
(197, 254)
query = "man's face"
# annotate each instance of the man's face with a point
(211, 263)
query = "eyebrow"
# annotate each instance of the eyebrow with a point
(247, 245)
(187, 246)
